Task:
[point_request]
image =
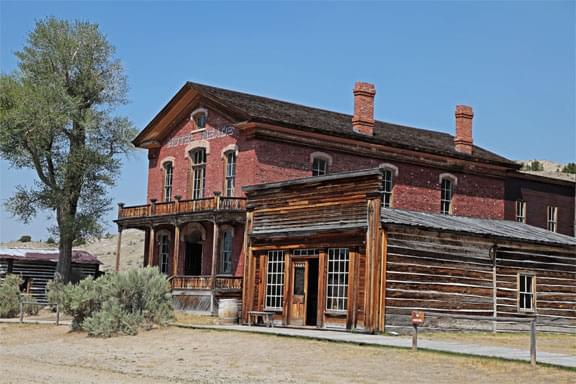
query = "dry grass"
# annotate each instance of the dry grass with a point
(545, 342)
(39, 354)
(193, 319)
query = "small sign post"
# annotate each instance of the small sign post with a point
(417, 320)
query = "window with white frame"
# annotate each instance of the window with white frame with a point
(521, 211)
(319, 166)
(526, 290)
(337, 279)
(275, 280)
(388, 184)
(447, 192)
(163, 252)
(226, 252)
(552, 218)
(200, 119)
(230, 176)
(168, 172)
(198, 173)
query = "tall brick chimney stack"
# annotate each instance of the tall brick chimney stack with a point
(463, 139)
(363, 120)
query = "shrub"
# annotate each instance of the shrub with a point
(25, 239)
(10, 296)
(116, 303)
(50, 240)
(31, 307)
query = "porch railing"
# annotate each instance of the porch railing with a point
(216, 203)
(206, 282)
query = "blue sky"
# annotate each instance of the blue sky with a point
(513, 61)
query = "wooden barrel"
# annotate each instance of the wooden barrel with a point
(228, 311)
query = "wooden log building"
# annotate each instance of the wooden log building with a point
(323, 252)
(207, 143)
(36, 267)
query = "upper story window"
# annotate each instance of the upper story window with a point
(321, 163)
(521, 211)
(230, 176)
(447, 183)
(319, 167)
(552, 218)
(168, 175)
(198, 157)
(226, 252)
(199, 117)
(526, 290)
(389, 172)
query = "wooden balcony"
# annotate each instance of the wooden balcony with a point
(211, 204)
(207, 282)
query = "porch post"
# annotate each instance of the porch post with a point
(151, 246)
(215, 240)
(176, 250)
(118, 244)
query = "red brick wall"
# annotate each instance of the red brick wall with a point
(538, 196)
(416, 187)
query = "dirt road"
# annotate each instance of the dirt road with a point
(48, 354)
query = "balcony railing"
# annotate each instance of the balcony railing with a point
(216, 203)
(206, 282)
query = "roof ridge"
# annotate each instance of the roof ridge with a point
(315, 108)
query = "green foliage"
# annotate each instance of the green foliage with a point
(25, 239)
(569, 168)
(10, 296)
(50, 240)
(534, 165)
(117, 303)
(56, 118)
(31, 306)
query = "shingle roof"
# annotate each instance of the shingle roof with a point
(263, 109)
(496, 228)
(50, 255)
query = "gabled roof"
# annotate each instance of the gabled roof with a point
(485, 227)
(265, 110)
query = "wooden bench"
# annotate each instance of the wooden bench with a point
(265, 316)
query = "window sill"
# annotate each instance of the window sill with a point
(333, 312)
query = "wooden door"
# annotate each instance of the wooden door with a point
(298, 293)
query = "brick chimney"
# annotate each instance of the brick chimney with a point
(363, 120)
(463, 139)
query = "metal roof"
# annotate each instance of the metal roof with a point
(496, 228)
(50, 255)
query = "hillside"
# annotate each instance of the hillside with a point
(552, 169)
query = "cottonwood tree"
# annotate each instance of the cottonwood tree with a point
(56, 117)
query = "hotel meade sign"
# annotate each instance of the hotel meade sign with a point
(206, 134)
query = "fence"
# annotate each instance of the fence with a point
(23, 302)
(419, 318)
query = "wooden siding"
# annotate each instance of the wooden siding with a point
(453, 274)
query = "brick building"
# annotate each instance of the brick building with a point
(207, 143)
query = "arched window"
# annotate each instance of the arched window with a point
(447, 183)
(168, 175)
(163, 251)
(321, 163)
(230, 175)
(389, 172)
(226, 252)
(198, 157)
(199, 117)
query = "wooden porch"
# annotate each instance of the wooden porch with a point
(223, 283)
(178, 206)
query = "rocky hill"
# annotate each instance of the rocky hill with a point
(550, 169)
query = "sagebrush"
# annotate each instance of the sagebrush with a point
(117, 303)
(10, 296)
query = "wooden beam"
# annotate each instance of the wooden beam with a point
(151, 247)
(248, 280)
(176, 250)
(118, 246)
(215, 241)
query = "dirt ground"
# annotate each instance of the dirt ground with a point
(41, 354)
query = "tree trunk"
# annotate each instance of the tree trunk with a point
(64, 266)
